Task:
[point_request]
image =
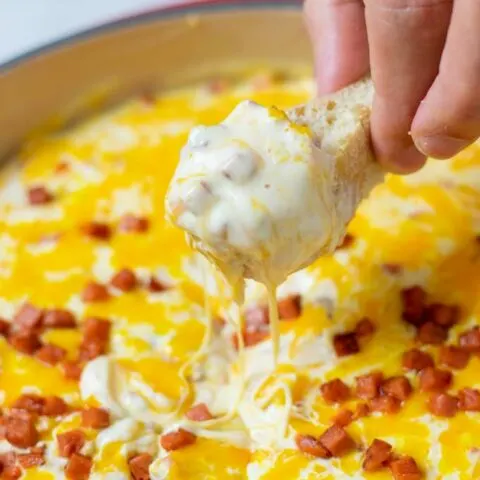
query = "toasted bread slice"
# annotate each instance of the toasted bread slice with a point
(340, 124)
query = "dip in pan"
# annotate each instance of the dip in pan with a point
(117, 364)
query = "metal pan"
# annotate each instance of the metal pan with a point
(163, 49)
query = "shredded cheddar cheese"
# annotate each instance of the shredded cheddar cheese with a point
(164, 351)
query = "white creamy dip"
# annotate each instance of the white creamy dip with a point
(253, 195)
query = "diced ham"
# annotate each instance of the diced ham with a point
(72, 370)
(12, 472)
(377, 455)
(405, 468)
(70, 442)
(453, 357)
(54, 406)
(4, 327)
(398, 387)
(96, 333)
(199, 413)
(434, 379)
(470, 340)
(312, 446)
(39, 195)
(469, 400)
(97, 230)
(94, 417)
(343, 418)
(443, 404)
(90, 349)
(417, 360)
(364, 328)
(50, 354)
(251, 339)
(178, 439)
(31, 459)
(8, 459)
(413, 300)
(335, 391)
(95, 292)
(387, 404)
(347, 241)
(368, 386)
(25, 342)
(139, 465)
(133, 223)
(156, 286)
(125, 280)
(431, 333)
(345, 344)
(78, 467)
(361, 410)
(256, 317)
(97, 328)
(29, 318)
(59, 318)
(20, 430)
(8, 467)
(337, 441)
(30, 402)
(290, 307)
(443, 315)
(39, 450)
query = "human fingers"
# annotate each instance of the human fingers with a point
(449, 118)
(339, 39)
(406, 39)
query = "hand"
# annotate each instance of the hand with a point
(424, 57)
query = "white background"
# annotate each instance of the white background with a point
(27, 24)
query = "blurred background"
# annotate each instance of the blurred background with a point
(27, 24)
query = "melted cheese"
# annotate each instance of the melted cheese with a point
(171, 353)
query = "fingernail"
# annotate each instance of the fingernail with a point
(403, 161)
(440, 146)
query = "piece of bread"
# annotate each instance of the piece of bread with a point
(265, 193)
(340, 124)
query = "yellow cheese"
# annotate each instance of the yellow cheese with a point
(122, 163)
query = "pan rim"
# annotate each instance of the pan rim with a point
(209, 6)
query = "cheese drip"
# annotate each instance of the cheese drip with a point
(253, 195)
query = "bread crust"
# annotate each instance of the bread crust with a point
(340, 126)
